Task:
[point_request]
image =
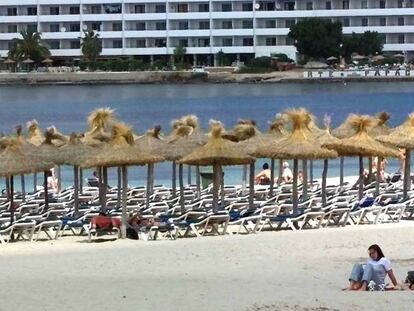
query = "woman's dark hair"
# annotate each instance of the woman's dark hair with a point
(265, 166)
(376, 248)
(49, 174)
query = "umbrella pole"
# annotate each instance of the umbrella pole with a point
(76, 189)
(174, 179)
(222, 188)
(341, 171)
(148, 190)
(251, 185)
(305, 180)
(11, 198)
(216, 182)
(181, 181)
(80, 180)
(124, 200)
(189, 174)
(324, 175)
(46, 190)
(370, 169)
(104, 187)
(378, 177)
(59, 178)
(361, 178)
(295, 198)
(244, 179)
(272, 177)
(7, 180)
(99, 171)
(198, 181)
(407, 173)
(34, 182)
(310, 172)
(280, 175)
(23, 182)
(119, 188)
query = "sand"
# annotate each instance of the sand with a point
(267, 271)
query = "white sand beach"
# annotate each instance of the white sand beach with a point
(268, 271)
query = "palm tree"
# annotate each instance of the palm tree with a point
(91, 45)
(29, 46)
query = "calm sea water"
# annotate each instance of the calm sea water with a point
(143, 106)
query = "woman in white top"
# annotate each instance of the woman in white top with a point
(372, 275)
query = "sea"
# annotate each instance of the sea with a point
(143, 106)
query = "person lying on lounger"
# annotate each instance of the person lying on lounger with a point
(371, 276)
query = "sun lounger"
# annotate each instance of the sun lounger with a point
(50, 227)
(307, 220)
(337, 217)
(210, 225)
(22, 230)
(366, 215)
(392, 213)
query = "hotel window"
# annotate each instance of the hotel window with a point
(160, 8)
(383, 21)
(32, 28)
(116, 26)
(160, 43)
(74, 45)
(309, 7)
(289, 23)
(227, 25)
(401, 21)
(203, 42)
(182, 8)
(96, 26)
(140, 9)
(160, 26)
(270, 41)
(247, 24)
(11, 11)
(183, 25)
(267, 6)
(117, 44)
(401, 38)
(141, 43)
(204, 25)
(183, 42)
(113, 8)
(382, 4)
(345, 22)
(400, 4)
(364, 4)
(247, 7)
(364, 22)
(74, 27)
(74, 10)
(54, 45)
(96, 9)
(289, 6)
(247, 41)
(345, 5)
(140, 26)
(270, 24)
(32, 11)
(54, 10)
(226, 7)
(328, 5)
(54, 27)
(203, 7)
(12, 28)
(227, 42)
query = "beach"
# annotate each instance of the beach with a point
(268, 271)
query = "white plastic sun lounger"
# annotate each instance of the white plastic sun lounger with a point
(337, 217)
(392, 213)
(213, 223)
(50, 227)
(366, 215)
(310, 220)
(23, 230)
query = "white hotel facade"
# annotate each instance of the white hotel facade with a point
(153, 28)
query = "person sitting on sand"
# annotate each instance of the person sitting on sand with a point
(263, 178)
(287, 175)
(372, 275)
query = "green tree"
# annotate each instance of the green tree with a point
(368, 43)
(179, 53)
(223, 59)
(317, 38)
(29, 46)
(91, 46)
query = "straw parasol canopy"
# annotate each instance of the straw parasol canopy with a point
(381, 125)
(378, 58)
(47, 61)
(28, 61)
(9, 61)
(151, 141)
(34, 133)
(75, 152)
(332, 58)
(244, 129)
(399, 55)
(358, 57)
(99, 123)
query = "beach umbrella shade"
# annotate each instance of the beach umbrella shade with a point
(9, 61)
(15, 161)
(358, 57)
(361, 144)
(378, 58)
(332, 59)
(217, 152)
(301, 144)
(403, 137)
(28, 61)
(399, 55)
(121, 152)
(47, 61)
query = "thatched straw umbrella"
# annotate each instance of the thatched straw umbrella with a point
(218, 152)
(34, 137)
(301, 144)
(361, 144)
(121, 151)
(403, 137)
(152, 143)
(15, 161)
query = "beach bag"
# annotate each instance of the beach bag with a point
(410, 278)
